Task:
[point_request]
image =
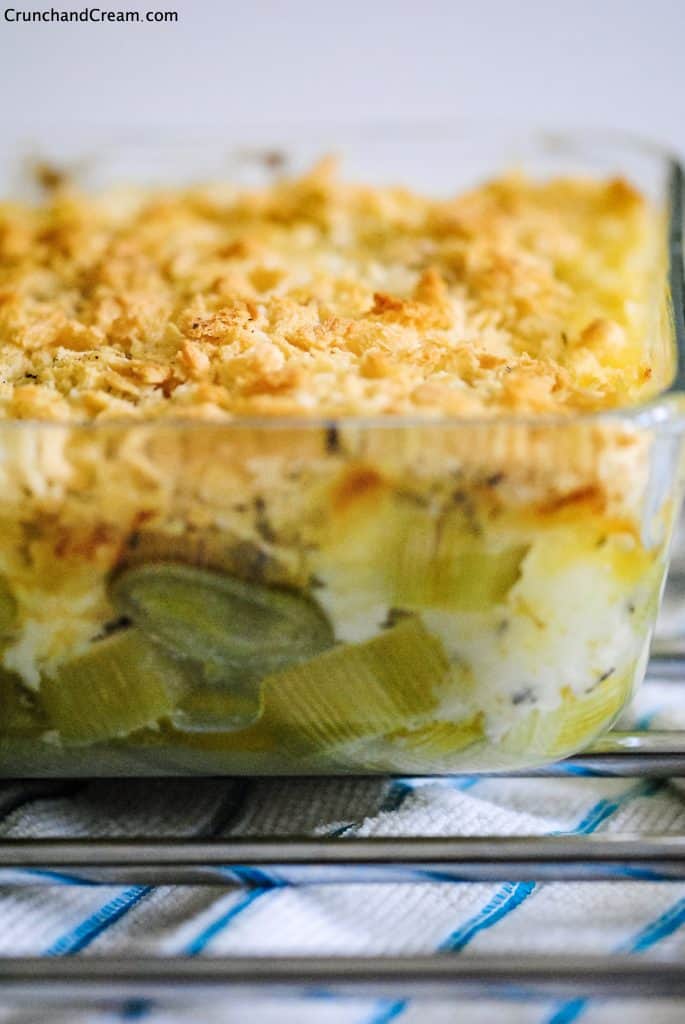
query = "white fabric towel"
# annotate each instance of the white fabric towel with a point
(639, 918)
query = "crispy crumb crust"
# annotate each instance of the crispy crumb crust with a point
(314, 297)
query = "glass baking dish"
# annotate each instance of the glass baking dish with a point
(340, 596)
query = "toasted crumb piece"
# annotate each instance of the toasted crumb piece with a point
(314, 297)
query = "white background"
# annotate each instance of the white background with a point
(607, 63)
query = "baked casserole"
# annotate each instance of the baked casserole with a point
(322, 476)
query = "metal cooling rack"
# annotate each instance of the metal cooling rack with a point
(299, 860)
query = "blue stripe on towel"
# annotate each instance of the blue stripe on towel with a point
(510, 896)
(87, 931)
(395, 798)
(81, 936)
(257, 878)
(202, 940)
(401, 789)
(645, 721)
(465, 782)
(135, 1009)
(60, 877)
(663, 926)
(579, 769)
(507, 899)
(397, 793)
(388, 1011)
(606, 807)
(568, 1012)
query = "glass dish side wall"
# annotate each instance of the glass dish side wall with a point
(227, 599)
(436, 597)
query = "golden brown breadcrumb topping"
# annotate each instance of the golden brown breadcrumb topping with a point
(318, 297)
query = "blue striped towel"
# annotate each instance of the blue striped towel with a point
(635, 918)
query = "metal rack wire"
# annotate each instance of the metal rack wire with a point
(297, 860)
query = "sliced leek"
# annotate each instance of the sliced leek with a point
(118, 685)
(438, 739)
(468, 581)
(218, 710)
(8, 608)
(409, 556)
(440, 746)
(212, 549)
(357, 691)
(19, 711)
(237, 631)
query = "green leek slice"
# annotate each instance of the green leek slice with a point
(439, 747)
(8, 608)
(352, 693)
(341, 702)
(470, 580)
(118, 685)
(239, 632)
(404, 555)
(438, 739)
(357, 691)
(20, 714)
(218, 710)
(214, 550)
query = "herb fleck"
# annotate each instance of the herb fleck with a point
(332, 440)
(605, 675)
(394, 616)
(494, 480)
(262, 524)
(113, 626)
(526, 695)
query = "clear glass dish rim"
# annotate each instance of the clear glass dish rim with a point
(663, 410)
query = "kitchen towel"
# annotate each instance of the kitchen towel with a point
(637, 918)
